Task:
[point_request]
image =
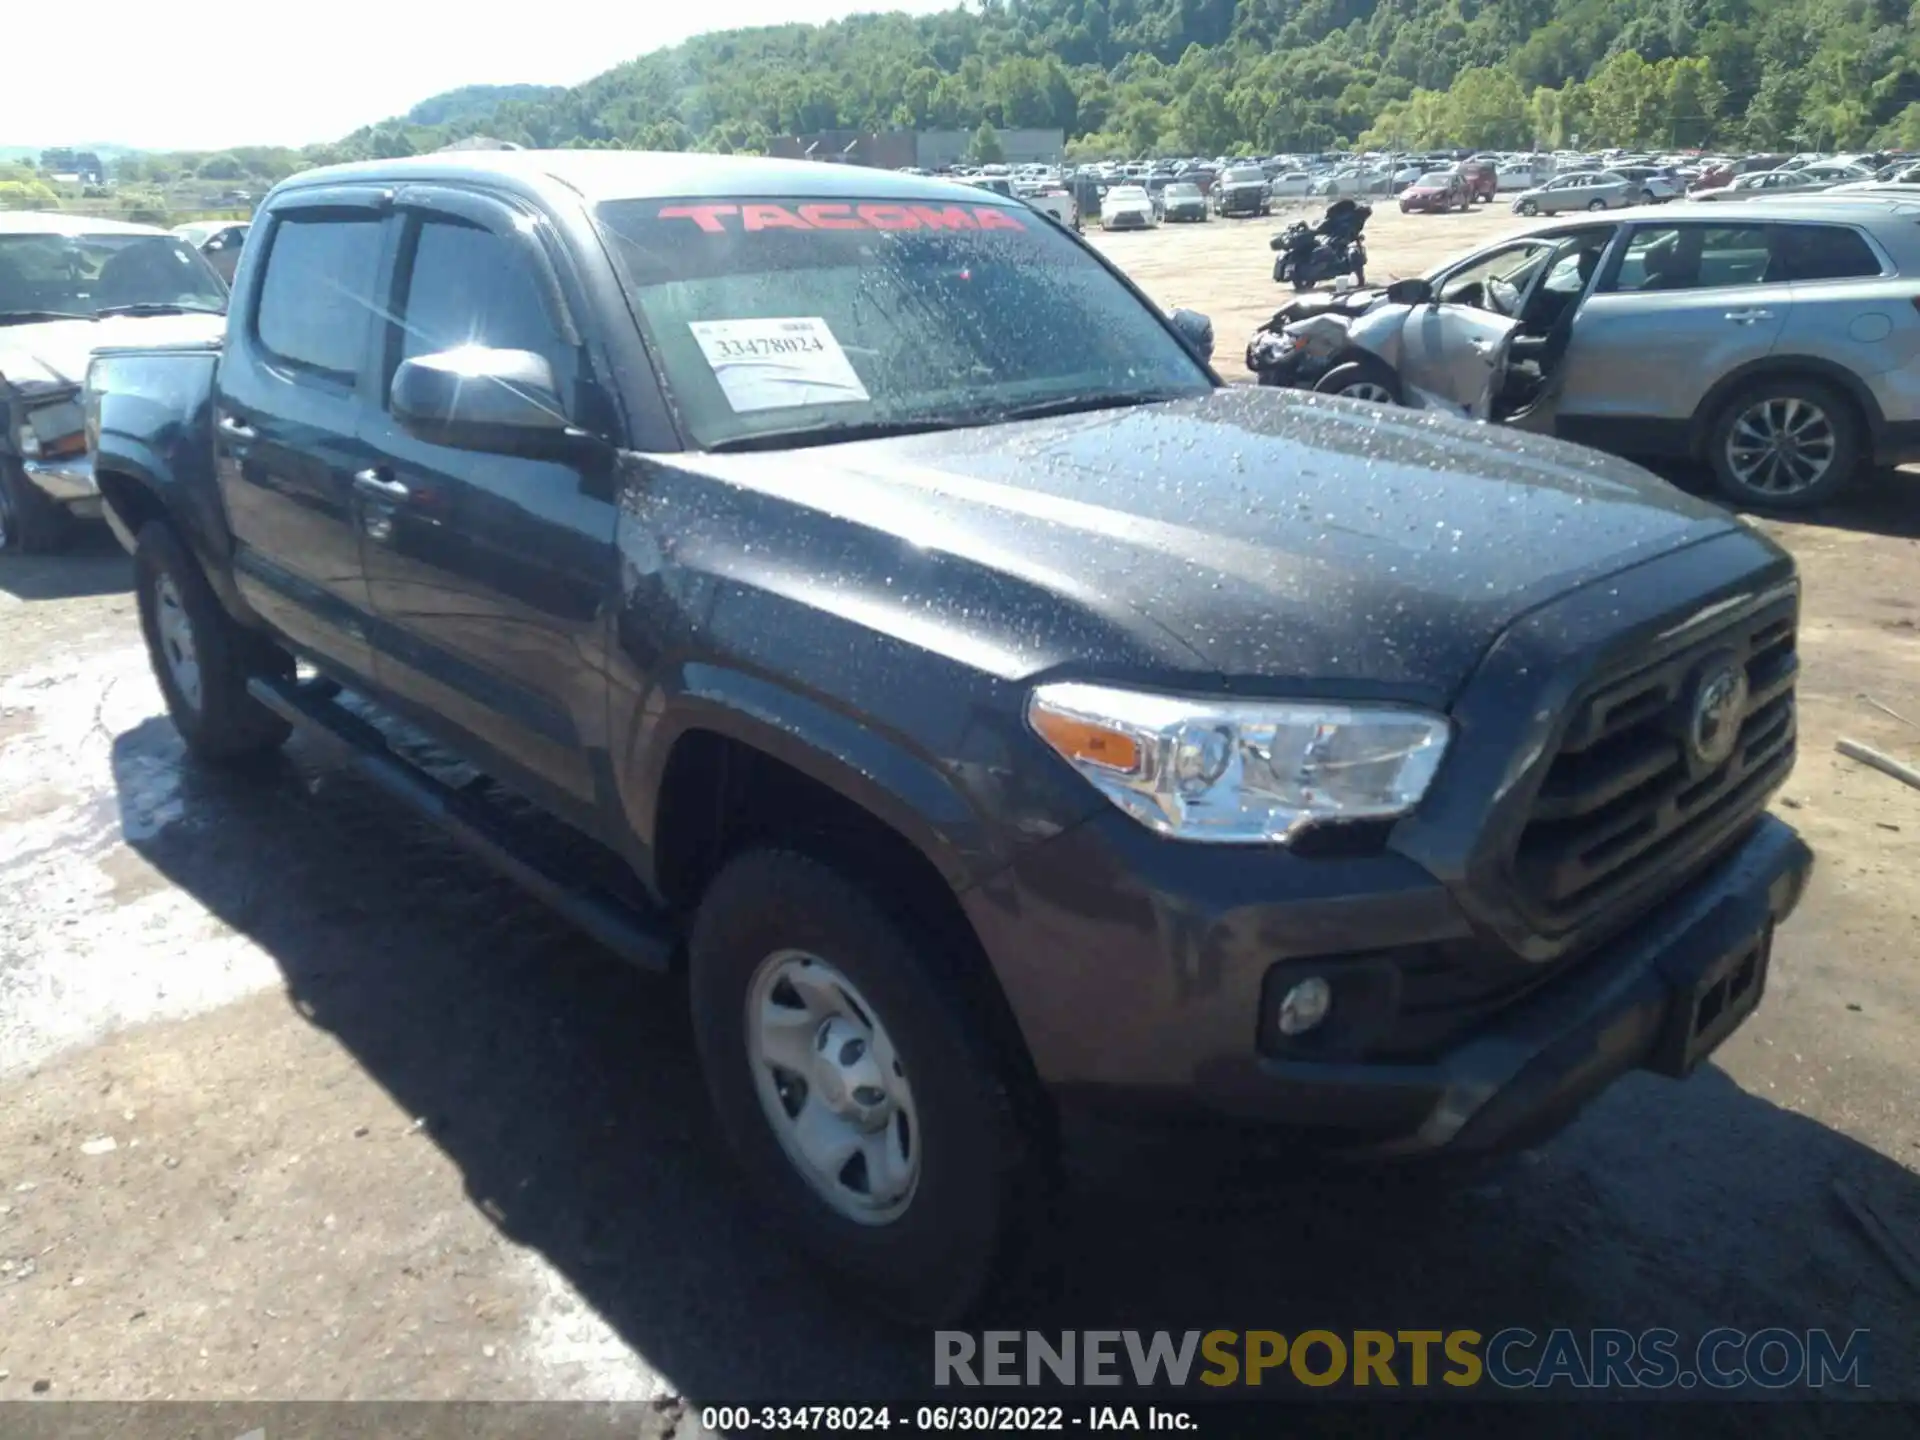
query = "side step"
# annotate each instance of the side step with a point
(643, 939)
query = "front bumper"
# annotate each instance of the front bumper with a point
(1140, 1004)
(68, 482)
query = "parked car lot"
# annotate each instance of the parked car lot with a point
(432, 1168)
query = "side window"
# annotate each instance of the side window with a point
(468, 286)
(1692, 257)
(1822, 252)
(318, 291)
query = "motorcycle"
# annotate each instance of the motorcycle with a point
(1308, 254)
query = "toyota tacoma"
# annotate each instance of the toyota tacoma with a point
(993, 711)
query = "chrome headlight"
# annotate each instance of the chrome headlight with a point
(1241, 771)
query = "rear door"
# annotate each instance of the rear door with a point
(287, 419)
(1679, 305)
(489, 573)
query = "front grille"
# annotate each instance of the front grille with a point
(1626, 801)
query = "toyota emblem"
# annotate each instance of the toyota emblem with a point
(1719, 705)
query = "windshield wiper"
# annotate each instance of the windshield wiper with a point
(838, 432)
(30, 317)
(1074, 404)
(155, 308)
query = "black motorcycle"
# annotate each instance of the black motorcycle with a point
(1309, 254)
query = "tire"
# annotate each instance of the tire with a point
(201, 657)
(1647, 197)
(1368, 380)
(1829, 439)
(1596, 205)
(1527, 207)
(30, 523)
(930, 1255)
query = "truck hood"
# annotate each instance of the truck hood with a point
(53, 356)
(1255, 534)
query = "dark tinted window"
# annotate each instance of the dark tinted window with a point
(1823, 252)
(469, 287)
(319, 290)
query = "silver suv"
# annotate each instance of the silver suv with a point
(1779, 342)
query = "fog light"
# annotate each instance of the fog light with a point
(1305, 1005)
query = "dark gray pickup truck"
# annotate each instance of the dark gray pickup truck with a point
(992, 710)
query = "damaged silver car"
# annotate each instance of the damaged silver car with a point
(70, 286)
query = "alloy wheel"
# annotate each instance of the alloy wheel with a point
(1781, 446)
(833, 1087)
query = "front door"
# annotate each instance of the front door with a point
(287, 421)
(489, 573)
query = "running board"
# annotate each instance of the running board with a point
(642, 939)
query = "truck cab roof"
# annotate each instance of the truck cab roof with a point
(600, 175)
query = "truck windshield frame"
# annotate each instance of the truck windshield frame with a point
(920, 314)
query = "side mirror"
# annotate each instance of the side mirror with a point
(1197, 331)
(1414, 291)
(475, 398)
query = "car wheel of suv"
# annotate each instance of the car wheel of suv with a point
(30, 524)
(857, 1084)
(1785, 444)
(1368, 380)
(1647, 197)
(201, 658)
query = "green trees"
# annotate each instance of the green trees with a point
(985, 149)
(1220, 76)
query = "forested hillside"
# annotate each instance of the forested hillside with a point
(1129, 77)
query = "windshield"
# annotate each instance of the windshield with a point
(1437, 179)
(87, 275)
(1183, 192)
(784, 317)
(1246, 177)
(1127, 195)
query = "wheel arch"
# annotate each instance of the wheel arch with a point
(1776, 367)
(729, 782)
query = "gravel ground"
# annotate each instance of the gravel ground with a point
(298, 1103)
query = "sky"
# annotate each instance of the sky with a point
(205, 77)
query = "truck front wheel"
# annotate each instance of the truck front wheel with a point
(856, 1086)
(201, 658)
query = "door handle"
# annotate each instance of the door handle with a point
(377, 482)
(1747, 317)
(237, 430)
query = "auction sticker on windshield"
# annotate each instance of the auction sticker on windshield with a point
(777, 364)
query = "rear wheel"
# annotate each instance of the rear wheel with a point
(30, 523)
(1785, 444)
(201, 657)
(858, 1084)
(1596, 205)
(1647, 197)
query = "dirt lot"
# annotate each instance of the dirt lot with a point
(296, 1102)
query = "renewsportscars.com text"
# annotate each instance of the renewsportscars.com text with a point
(1514, 1358)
